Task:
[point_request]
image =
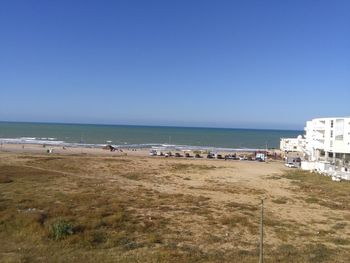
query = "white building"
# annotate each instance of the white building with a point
(292, 144)
(328, 139)
(325, 146)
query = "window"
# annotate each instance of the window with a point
(332, 122)
(339, 137)
(331, 134)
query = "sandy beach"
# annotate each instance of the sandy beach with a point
(58, 149)
(41, 149)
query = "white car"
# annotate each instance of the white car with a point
(290, 165)
(153, 153)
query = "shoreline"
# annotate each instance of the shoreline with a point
(34, 148)
(53, 142)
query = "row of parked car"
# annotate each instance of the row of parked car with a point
(208, 155)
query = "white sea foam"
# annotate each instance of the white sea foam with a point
(158, 146)
(31, 140)
(168, 147)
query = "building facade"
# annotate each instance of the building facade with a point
(328, 139)
(325, 147)
(292, 144)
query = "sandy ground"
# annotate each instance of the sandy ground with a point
(36, 148)
(215, 184)
(223, 188)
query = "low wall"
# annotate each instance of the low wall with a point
(308, 166)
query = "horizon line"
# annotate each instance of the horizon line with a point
(148, 125)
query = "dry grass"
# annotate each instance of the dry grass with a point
(322, 190)
(280, 200)
(74, 208)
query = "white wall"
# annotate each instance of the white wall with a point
(292, 144)
(328, 134)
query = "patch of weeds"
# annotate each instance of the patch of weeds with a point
(323, 233)
(340, 241)
(133, 176)
(154, 238)
(286, 250)
(312, 200)
(340, 225)
(332, 205)
(318, 253)
(297, 175)
(238, 220)
(273, 177)
(97, 237)
(119, 219)
(272, 221)
(60, 229)
(126, 243)
(182, 167)
(316, 185)
(310, 253)
(326, 203)
(214, 239)
(4, 179)
(280, 200)
(40, 218)
(242, 207)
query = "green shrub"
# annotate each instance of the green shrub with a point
(61, 229)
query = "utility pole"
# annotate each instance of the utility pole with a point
(261, 253)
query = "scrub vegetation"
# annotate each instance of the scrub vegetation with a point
(137, 209)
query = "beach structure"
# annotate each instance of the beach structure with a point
(292, 144)
(325, 146)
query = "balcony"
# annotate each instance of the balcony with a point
(319, 136)
(319, 127)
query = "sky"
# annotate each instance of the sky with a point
(236, 64)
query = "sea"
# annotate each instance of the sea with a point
(129, 136)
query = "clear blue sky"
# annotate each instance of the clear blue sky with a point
(254, 64)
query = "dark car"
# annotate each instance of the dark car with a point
(219, 156)
(210, 156)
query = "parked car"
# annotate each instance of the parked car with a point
(210, 155)
(219, 156)
(178, 155)
(291, 165)
(229, 157)
(152, 152)
(187, 155)
(197, 155)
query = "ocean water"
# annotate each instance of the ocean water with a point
(141, 136)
